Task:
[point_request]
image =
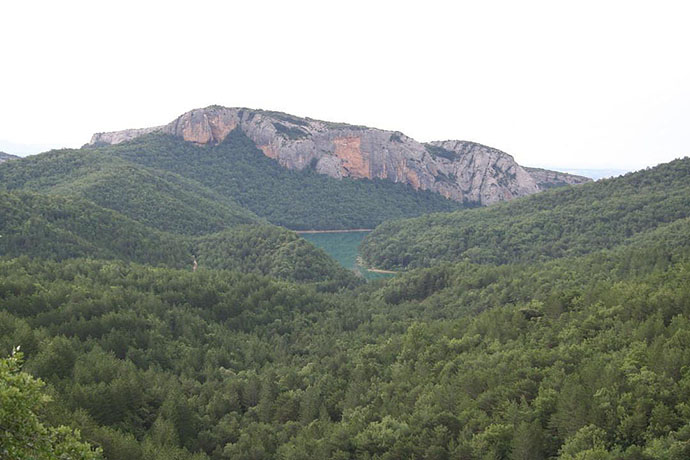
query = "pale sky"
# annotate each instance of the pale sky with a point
(585, 84)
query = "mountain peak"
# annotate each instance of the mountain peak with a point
(459, 170)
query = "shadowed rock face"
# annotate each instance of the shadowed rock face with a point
(484, 174)
(459, 170)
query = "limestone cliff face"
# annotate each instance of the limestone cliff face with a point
(484, 174)
(549, 179)
(6, 157)
(117, 137)
(462, 171)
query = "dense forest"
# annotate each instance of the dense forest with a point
(557, 223)
(554, 326)
(578, 355)
(61, 227)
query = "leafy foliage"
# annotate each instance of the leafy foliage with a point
(271, 251)
(60, 227)
(517, 361)
(23, 435)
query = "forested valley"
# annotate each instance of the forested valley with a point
(552, 326)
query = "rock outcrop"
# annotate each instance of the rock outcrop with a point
(6, 157)
(549, 179)
(459, 170)
(117, 137)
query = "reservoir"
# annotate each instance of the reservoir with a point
(343, 247)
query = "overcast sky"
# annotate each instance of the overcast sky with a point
(570, 84)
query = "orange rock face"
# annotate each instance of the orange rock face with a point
(197, 132)
(413, 179)
(221, 127)
(269, 151)
(349, 151)
(214, 128)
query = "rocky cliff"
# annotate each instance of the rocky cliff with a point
(459, 170)
(549, 179)
(6, 156)
(117, 137)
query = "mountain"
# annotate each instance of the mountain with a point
(6, 156)
(557, 223)
(174, 185)
(214, 168)
(461, 171)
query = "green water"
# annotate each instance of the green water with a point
(343, 247)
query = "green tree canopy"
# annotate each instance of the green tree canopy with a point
(22, 433)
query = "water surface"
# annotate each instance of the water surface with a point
(343, 247)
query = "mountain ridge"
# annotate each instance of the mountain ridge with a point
(459, 170)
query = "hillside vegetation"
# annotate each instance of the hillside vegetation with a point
(272, 251)
(580, 356)
(295, 199)
(153, 197)
(550, 327)
(558, 223)
(176, 186)
(59, 228)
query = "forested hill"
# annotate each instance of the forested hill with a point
(297, 199)
(59, 228)
(153, 197)
(552, 224)
(177, 186)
